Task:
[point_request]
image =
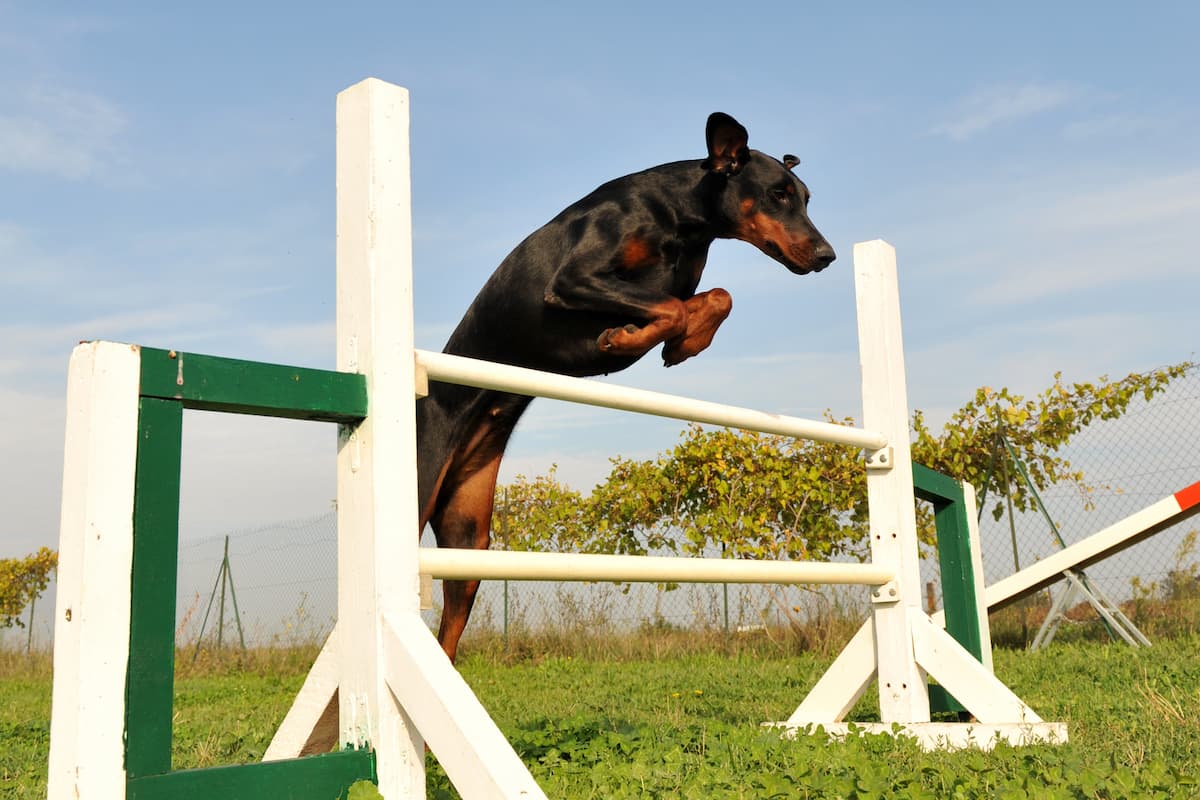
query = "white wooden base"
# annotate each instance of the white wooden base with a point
(998, 709)
(944, 735)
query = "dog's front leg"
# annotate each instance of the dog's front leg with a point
(705, 313)
(669, 321)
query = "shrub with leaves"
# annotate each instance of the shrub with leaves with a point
(1036, 428)
(21, 581)
(538, 514)
(745, 494)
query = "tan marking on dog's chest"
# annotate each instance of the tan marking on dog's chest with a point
(637, 253)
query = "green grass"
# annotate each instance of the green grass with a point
(24, 736)
(689, 726)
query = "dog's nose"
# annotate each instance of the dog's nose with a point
(823, 256)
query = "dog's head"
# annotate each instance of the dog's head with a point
(761, 201)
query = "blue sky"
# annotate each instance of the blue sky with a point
(167, 179)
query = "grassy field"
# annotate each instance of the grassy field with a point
(687, 725)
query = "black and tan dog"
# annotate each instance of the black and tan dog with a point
(595, 289)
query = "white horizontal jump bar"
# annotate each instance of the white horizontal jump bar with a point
(506, 378)
(454, 564)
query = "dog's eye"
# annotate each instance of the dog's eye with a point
(781, 195)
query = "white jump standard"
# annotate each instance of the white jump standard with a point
(397, 692)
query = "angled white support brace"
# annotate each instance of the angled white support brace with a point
(311, 723)
(1076, 584)
(843, 684)
(971, 683)
(475, 754)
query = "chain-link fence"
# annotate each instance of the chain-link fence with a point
(279, 581)
(277, 585)
(1149, 453)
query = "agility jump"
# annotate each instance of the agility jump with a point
(397, 690)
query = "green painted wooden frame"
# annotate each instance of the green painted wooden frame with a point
(171, 382)
(959, 598)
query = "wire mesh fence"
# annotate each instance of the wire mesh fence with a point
(280, 588)
(1148, 453)
(1131, 462)
(280, 584)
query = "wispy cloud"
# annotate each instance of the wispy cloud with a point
(1166, 199)
(58, 131)
(303, 343)
(1113, 126)
(994, 105)
(23, 266)
(1129, 230)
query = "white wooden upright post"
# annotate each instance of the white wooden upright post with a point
(903, 696)
(377, 479)
(95, 560)
(396, 688)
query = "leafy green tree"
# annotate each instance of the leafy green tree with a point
(746, 494)
(538, 514)
(630, 512)
(21, 581)
(1036, 428)
(769, 497)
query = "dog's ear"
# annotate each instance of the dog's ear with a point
(726, 139)
(790, 161)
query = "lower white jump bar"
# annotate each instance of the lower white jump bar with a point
(454, 564)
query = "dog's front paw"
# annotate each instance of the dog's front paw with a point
(673, 353)
(613, 338)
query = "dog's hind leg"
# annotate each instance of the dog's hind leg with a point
(464, 521)
(462, 513)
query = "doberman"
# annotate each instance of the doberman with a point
(609, 279)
